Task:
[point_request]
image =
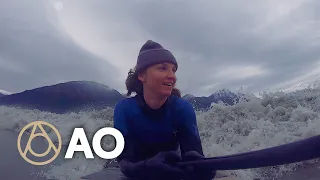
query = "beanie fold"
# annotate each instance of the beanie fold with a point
(155, 56)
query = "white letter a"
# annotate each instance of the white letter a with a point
(78, 134)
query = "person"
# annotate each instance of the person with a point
(157, 123)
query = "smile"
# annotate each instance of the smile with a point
(168, 84)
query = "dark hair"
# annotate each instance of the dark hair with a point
(133, 84)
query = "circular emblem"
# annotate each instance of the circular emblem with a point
(39, 125)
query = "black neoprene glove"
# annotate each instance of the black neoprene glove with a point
(162, 166)
(197, 173)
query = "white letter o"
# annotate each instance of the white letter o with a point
(96, 143)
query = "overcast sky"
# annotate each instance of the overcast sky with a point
(257, 45)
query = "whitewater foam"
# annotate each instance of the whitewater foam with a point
(252, 124)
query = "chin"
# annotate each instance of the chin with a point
(166, 93)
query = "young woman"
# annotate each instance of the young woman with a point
(157, 123)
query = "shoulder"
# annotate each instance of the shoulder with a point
(120, 115)
(181, 105)
(184, 112)
(125, 103)
(125, 107)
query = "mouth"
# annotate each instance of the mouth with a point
(168, 84)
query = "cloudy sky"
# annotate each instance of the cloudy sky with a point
(257, 45)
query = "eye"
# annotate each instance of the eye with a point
(162, 68)
(174, 69)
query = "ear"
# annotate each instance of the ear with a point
(142, 77)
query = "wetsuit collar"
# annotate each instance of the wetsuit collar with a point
(148, 110)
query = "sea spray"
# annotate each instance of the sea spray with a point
(252, 124)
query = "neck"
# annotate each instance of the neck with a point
(154, 101)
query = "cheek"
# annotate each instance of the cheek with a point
(155, 80)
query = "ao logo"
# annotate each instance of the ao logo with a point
(28, 148)
(78, 134)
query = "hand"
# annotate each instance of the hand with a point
(197, 173)
(162, 165)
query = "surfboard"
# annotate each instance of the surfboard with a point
(12, 165)
(115, 174)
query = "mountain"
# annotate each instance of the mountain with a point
(188, 96)
(64, 97)
(87, 95)
(1, 95)
(224, 95)
(204, 103)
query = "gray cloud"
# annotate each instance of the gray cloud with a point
(257, 45)
(34, 52)
(227, 34)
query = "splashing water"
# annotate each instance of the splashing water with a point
(252, 124)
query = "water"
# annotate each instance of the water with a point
(275, 119)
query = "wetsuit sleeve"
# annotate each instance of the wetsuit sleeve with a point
(121, 123)
(129, 166)
(188, 133)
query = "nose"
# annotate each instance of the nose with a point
(171, 75)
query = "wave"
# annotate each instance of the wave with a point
(252, 124)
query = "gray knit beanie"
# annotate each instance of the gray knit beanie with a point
(152, 53)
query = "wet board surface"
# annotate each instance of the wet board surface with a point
(115, 174)
(107, 174)
(12, 165)
(307, 173)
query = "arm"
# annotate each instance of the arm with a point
(190, 141)
(128, 165)
(188, 133)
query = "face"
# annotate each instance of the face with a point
(159, 79)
